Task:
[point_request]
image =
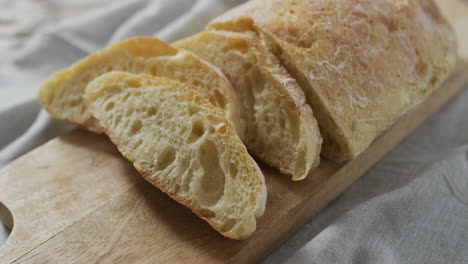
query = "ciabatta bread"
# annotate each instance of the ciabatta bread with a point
(61, 95)
(183, 145)
(280, 128)
(361, 63)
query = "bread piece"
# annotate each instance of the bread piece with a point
(183, 145)
(361, 63)
(280, 127)
(61, 95)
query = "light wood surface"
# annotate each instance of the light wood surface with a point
(76, 200)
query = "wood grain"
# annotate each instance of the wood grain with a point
(76, 200)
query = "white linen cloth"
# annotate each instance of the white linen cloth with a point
(412, 207)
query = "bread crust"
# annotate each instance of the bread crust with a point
(361, 63)
(136, 55)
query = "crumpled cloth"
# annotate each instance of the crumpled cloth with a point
(412, 207)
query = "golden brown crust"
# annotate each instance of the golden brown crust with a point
(138, 55)
(361, 63)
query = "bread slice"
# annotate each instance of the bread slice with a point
(280, 127)
(361, 63)
(183, 145)
(61, 94)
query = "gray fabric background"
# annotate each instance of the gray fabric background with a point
(412, 207)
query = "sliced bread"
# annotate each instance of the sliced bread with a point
(183, 145)
(61, 95)
(361, 63)
(280, 127)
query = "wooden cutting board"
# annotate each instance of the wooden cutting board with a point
(76, 200)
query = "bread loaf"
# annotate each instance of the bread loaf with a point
(280, 127)
(361, 63)
(61, 94)
(183, 145)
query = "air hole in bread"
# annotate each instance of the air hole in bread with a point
(182, 131)
(128, 66)
(197, 131)
(214, 120)
(135, 127)
(193, 109)
(434, 80)
(75, 102)
(222, 129)
(226, 49)
(209, 188)
(138, 143)
(211, 129)
(233, 170)
(125, 98)
(228, 225)
(165, 158)
(246, 67)
(134, 83)
(220, 100)
(206, 213)
(196, 83)
(152, 111)
(109, 106)
(154, 70)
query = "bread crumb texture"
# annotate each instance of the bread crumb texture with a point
(280, 127)
(183, 145)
